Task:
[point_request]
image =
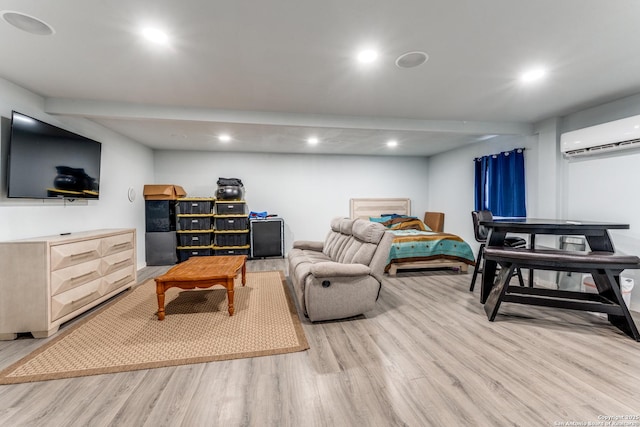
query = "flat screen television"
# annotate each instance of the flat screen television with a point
(45, 161)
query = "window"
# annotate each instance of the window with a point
(499, 184)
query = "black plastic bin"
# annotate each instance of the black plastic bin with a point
(195, 206)
(231, 207)
(230, 222)
(184, 253)
(194, 222)
(232, 239)
(194, 238)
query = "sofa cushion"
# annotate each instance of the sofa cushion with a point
(336, 240)
(346, 226)
(363, 243)
(370, 232)
(361, 253)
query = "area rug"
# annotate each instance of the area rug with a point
(126, 334)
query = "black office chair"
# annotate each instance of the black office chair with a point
(481, 232)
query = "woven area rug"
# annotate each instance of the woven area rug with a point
(126, 335)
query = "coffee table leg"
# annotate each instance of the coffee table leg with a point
(230, 296)
(244, 272)
(160, 293)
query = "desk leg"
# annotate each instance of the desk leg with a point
(495, 238)
(601, 243)
(497, 292)
(160, 293)
(230, 293)
(608, 287)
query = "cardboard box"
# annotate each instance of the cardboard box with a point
(163, 192)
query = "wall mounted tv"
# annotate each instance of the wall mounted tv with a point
(47, 162)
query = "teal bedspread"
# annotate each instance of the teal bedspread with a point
(415, 245)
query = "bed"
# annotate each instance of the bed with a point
(414, 246)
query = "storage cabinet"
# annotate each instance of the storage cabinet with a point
(160, 236)
(267, 238)
(47, 281)
(231, 228)
(160, 215)
(195, 227)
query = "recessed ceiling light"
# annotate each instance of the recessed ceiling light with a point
(411, 59)
(224, 137)
(27, 23)
(367, 56)
(312, 140)
(533, 75)
(155, 35)
(392, 143)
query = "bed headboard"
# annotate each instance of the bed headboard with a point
(365, 208)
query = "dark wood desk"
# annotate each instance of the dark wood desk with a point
(596, 233)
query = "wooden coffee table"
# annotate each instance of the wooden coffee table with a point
(202, 272)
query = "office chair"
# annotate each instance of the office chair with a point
(480, 232)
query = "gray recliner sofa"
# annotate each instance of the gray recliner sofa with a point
(342, 276)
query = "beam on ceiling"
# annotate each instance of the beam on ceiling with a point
(121, 110)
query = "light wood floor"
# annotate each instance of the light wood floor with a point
(426, 356)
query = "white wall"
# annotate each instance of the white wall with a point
(124, 164)
(604, 188)
(307, 191)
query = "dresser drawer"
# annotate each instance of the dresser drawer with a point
(77, 275)
(117, 261)
(117, 280)
(118, 243)
(75, 253)
(73, 299)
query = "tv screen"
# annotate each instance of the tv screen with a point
(46, 161)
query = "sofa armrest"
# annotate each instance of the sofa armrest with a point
(308, 245)
(337, 269)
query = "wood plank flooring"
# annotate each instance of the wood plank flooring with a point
(425, 356)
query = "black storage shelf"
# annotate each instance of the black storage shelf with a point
(231, 219)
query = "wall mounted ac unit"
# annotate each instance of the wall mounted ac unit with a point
(612, 136)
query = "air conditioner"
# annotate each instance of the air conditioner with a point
(612, 136)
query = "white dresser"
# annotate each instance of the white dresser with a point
(46, 281)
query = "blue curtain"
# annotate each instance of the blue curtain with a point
(499, 184)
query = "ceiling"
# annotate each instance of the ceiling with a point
(272, 73)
